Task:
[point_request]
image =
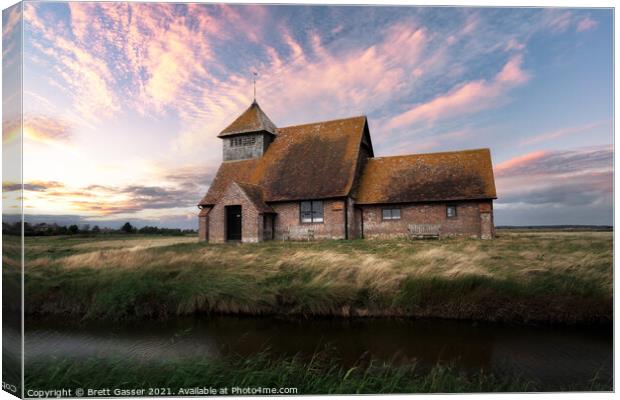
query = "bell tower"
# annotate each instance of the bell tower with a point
(248, 136)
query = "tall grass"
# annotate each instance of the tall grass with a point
(519, 277)
(316, 375)
(319, 375)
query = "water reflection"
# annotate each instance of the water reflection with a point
(555, 356)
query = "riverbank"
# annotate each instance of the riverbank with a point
(242, 375)
(521, 277)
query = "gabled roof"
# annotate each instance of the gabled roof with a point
(229, 171)
(252, 120)
(254, 193)
(312, 161)
(457, 175)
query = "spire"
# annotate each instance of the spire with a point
(253, 119)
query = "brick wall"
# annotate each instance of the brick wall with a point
(468, 221)
(331, 228)
(474, 218)
(351, 221)
(487, 226)
(251, 220)
(203, 224)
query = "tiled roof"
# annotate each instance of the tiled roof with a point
(255, 195)
(312, 161)
(252, 120)
(229, 171)
(458, 175)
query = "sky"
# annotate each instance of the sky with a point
(123, 101)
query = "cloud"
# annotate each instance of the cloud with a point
(514, 44)
(559, 133)
(110, 200)
(32, 186)
(516, 162)
(569, 178)
(46, 129)
(558, 21)
(11, 129)
(571, 193)
(85, 77)
(467, 98)
(13, 19)
(576, 161)
(179, 188)
(585, 24)
(300, 79)
(117, 53)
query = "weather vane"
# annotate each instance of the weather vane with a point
(254, 80)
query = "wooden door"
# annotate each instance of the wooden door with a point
(233, 223)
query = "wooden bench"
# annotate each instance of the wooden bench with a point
(424, 231)
(299, 233)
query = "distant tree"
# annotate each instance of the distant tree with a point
(128, 228)
(96, 229)
(73, 229)
(85, 228)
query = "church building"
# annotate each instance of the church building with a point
(322, 180)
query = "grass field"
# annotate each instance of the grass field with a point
(522, 277)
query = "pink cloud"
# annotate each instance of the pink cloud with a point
(14, 18)
(301, 78)
(519, 161)
(585, 24)
(467, 98)
(558, 133)
(87, 78)
(573, 177)
(558, 21)
(514, 44)
(46, 129)
(471, 24)
(580, 161)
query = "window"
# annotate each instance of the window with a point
(242, 141)
(311, 212)
(451, 211)
(391, 213)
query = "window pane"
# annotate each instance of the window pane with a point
(317, 211)
(387, 213)
(396, 213)
(306, 206)
(451, 211)
(306, 216)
